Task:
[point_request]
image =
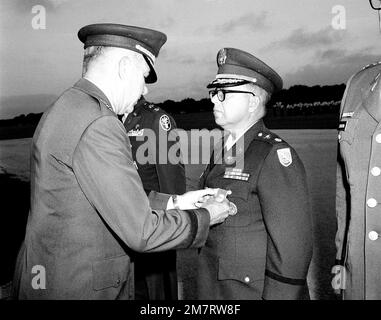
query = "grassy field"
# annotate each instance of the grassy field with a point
(316, 148)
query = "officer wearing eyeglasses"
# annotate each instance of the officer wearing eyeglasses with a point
(358, 191)
(264, 250)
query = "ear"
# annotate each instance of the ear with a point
(123, 66)
(254, 103)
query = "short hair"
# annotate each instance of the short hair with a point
(93, 53)
(90, 55)
(263, 95)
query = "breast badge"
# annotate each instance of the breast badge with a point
(236, 173)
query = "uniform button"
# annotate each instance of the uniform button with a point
(378, 138)
(247, 279)
(376, 171)
(373, 235)
(371, 203)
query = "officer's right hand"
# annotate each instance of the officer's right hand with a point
(218, 210)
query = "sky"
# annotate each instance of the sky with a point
(309, 42)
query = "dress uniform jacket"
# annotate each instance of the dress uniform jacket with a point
(155, 272)
(263, 251)
(88, 207)
(358, 195)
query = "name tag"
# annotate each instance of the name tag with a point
(236, 173)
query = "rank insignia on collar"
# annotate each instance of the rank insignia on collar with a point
(229, 160)
(375, 82)
(284, 156)
(165, 123)
(342, 125)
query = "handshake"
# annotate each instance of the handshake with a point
(213, 200)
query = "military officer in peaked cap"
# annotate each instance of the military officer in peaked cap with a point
(89, 210)
(155, 273)
(264, 250)
(358, 191)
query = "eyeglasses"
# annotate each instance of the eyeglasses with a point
(222, 92)
(375, 4)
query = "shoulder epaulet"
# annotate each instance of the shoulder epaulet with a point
(269, 137)
(151, 107)
(359, 74)
(371, 65)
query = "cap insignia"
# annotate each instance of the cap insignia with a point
(222, 57)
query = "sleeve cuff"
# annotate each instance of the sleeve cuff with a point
(200, 219)
(284, 289)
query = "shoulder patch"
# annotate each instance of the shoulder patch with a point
(165, 122)
(284, 156)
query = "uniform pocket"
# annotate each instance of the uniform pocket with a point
(347, 135)
(243, 272)
(110, 272)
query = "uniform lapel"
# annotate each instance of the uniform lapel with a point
(219, 150)
(233, 157)
(132, 120)
(244, 142)
(372, 98)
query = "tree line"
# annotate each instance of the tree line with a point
(298, 100)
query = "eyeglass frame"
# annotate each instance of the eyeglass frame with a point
(224, 91)
(373, 7)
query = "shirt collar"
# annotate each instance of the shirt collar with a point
(251, 131)
(92, 90)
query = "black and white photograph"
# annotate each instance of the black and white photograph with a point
(173, 152)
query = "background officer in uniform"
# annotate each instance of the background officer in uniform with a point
(155, 273)
(358, 192)
(88, 209)
(264, 251)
